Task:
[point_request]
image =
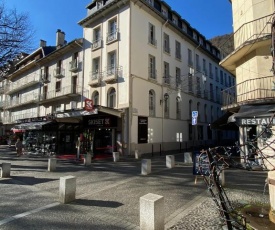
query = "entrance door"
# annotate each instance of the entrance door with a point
(103, 143)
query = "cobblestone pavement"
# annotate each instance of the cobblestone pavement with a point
(108, 193)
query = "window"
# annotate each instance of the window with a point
(190, 83)
(152, 67)
(221, 77)
(58, 86)
(190, 58)
(111, 98)
(205, 113)
(58, 70)
(111, 63)
(166, 45)
(204, 70)
(97, 39)
(217, 94)
(166, 76)
(152, 103)
(178, 108)
(198, 67)
(178, 50)
(95, 98)
(198, 109)
(95, 68)
(152, 35)
(74, 62)
(112, 31)
(178, 77)
(190, 109)
(211, 92)
(216, 74)
(210, 70)
(166, 107)
(198, 86)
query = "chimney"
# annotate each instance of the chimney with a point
(42, 43)
(60, 38)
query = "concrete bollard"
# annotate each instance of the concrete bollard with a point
(151, 212)
(137, 154)
(145, 166)
(188, 157)
(51, 164)
(67, 189)
(116, 156)
(88, 159)
(170, 161)
(6, 170)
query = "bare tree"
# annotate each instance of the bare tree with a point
(16, 34)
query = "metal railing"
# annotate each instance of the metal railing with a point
(252, 30)
(252, 90)
(61, 92)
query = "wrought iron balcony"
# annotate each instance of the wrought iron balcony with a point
(112, 36)
(95, 78)
(59, 72)
(112, 73)
(74, 66)
(256, 90)
(65, 92)
(31, 98)
(23, 83)
(96, 44)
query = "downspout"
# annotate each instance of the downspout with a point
(130, 86)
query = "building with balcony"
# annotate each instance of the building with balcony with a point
(251, 100)
(151, 69)
(41, 92)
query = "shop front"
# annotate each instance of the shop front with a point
(101, 134)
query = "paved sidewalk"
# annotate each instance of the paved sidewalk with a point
(108, 193)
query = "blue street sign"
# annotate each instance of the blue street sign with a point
(195, 113)
(194, 120)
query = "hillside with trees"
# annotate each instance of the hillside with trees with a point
(225, 43)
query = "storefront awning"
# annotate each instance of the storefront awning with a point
(256, 112)
(31, 125)
(222, 124)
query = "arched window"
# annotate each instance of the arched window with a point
(95, 98)
(111, 99)
(152, 103)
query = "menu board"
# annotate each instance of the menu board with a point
(201, 164)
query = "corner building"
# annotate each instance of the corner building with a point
(146, 70)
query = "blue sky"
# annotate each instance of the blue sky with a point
(209, 17)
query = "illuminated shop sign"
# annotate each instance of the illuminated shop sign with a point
(101, 122)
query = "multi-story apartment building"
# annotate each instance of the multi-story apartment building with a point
(253, 64)
(42, 91)
(150, 69)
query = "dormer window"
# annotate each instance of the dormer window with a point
(164, 12)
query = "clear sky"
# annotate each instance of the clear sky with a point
(210, 17)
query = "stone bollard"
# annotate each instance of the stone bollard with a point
(88, 159)
(151, 212)
(67, 189)
(170, 161)
(116, 156)
(137, 154)
(271, 186)
(51, 164)
(6, 170)
(145, 166)
(188, 157)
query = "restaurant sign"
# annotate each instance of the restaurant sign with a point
(256, 121)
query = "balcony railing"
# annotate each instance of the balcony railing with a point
(59, 72)
(253, 30)
(74, 66)
(95, 78)
(63, 92)
(45, 78)
(112, 36)
(21, 101)
(111, 74)
(96, 44)
(23, 83)
(22, 116)
(250, 91)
